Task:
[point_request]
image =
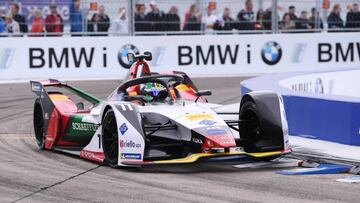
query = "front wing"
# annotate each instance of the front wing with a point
(206, 156)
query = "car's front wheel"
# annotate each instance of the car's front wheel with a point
(110, 138)
(39, 126)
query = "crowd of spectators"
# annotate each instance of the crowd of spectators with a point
(14, 24)
(100, 24)
(314, 21)
(246, 20)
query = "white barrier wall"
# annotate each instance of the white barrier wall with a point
(105, 57)
(342, 83)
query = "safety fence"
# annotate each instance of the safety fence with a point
(164, 17)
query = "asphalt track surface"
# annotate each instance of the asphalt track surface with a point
(30, 175)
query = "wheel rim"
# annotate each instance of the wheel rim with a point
(110, 139)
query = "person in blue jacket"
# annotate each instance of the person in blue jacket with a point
(76, 18)
(2, 26)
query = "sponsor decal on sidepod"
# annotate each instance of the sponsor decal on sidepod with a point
(128, 144)
(133, 156)
(123, 128)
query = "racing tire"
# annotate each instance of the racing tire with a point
(110, 140)
(250, 131)
(39, 125)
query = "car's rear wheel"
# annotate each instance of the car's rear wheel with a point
(110, 138)
(39, 126)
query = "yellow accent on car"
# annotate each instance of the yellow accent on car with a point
(56, 97)
(194, 157)
(182, 87)
(199, 116)
(133, 93)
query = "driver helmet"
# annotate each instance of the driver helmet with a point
(154, 92)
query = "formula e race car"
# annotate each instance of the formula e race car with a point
(154, 118)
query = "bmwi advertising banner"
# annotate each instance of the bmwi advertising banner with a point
(71, 58)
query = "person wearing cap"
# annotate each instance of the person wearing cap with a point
(155, 18)
(19, 18)
(54, 22)
(12, 27)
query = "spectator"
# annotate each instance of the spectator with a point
(155, 18)
(193, 19)
(209, 20)
(120, 24)
(353, 17)
(225, 22)
(38, 23)
(54, 22)
(19, 18)
(315, 21)
(76, 18)
(303, 22)
(334, 19)
(173, 19)
(2, 26)
(259, 25)
(140, 21)
(287, 23)
(12, 26)
(2, 22)
(100, 22)
(2, 14)
(291, 13)
(267, 17)
(246, 18)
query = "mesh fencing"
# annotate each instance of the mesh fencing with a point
(164, 17)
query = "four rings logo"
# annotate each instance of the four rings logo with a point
(271, 53)
(122, 54)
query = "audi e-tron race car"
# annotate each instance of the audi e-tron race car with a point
(154, 118)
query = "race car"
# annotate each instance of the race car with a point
(156, 118)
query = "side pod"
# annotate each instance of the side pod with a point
(263, 125)
(44, 109)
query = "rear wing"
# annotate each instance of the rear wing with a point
(38, 87)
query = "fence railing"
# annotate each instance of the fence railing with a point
(164, 17)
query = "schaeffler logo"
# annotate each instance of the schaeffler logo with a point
(271, 53)
(122, 54)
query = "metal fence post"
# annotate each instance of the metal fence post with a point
(132, 11)
(274, 17)
(317, 17)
